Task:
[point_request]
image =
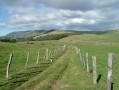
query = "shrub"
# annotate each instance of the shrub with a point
(8, 40)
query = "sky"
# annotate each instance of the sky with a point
(20, 15)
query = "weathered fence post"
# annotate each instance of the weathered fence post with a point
(50, 54)
(37, 58)
(27, 60)
(81, 59)
(109, 76)
(8, 66)
(46, 54)
(77, 50)
(53, 52)
(94, 71)
(64, 47)
(56, 51)
(87, 62)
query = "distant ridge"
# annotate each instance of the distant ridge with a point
(30, 33)
(38, 34)
(24, 34)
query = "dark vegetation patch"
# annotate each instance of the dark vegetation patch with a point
(95, 32)
(8, 40)
(53, 37)
(19, 78)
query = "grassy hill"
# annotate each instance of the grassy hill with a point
(54, 35)
(39, 35)
(66, 72)
(24, 34)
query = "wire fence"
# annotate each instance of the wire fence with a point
(48, 57)
(107, 74)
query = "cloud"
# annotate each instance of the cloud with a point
(48, 18)
(2, 24)
(83, 5)
(62, 14)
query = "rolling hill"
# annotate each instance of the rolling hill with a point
(24, 34)
(63, 70)
(54, 34)
(34, 35)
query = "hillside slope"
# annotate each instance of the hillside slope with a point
(38, 35)
(64, 74)
(24, 34)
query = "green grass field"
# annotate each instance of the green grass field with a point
(66, 71)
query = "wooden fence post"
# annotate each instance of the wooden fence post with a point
(44, 55)
(27, 60)
(47, 54)
(64, 47)
(94, 71)
(77, 50)
(37, 58)
(109, 76)
(51, 54)
(83, 59)
(54, 52)
(8, 66)
(87, 62)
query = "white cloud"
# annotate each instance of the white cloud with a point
(82, 21)
(78, 20)
(23, 18)
(2, 24)
(69, 14)
(34, 18)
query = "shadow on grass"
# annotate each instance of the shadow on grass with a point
(112, 84)
(99, 77)
(21, 77)
(91, 71)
